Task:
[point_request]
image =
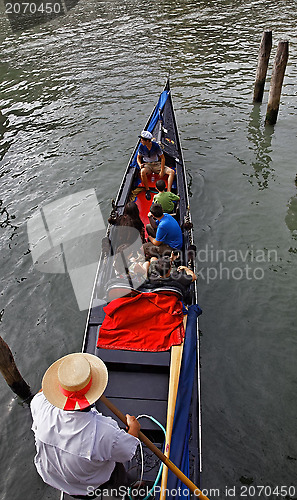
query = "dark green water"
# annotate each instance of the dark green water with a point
(76, 92)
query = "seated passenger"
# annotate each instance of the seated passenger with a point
(162, 275)
(132, 218)
(164, 233)
(129, 263)
(129, 219)
(161, 269)
(151, 159)
(165, 198)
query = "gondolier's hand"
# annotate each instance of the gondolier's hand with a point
(133, 426)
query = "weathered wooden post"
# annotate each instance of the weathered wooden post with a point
(2, 118)
(277, 78)
(11, 373)
(263, 59)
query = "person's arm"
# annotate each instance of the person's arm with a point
(118, 445)
(187, 271)
(146, 265)
(162, 171)
(160, 235)
(139, 161)
(154, 241)
(141, 268)
(142, 235)
(133, 425)
(173, 196)
(152, 220)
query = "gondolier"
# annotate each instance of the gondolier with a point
(151, 159)
(78, 449)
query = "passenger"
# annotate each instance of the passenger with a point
(150, 159)
(165, 198)
(164, 233)
(162, 269)
(132, 218)
(128, 262)
(79, 451)
(129, 219)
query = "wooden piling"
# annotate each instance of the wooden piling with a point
(277, 78)
(2, 118)
(263, 60)
(11, 374)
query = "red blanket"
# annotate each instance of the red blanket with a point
(146, 322)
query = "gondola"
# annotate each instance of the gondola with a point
(139, 379)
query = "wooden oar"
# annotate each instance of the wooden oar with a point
(175, 364)
(157, 452)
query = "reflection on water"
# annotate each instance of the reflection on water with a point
(291, 218)
(260, 138)
(6, 219)
(4, 145)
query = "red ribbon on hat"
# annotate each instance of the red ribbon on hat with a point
(74, 397)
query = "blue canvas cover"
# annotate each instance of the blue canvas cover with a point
(179, 450)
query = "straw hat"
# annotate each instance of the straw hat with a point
(75, 381)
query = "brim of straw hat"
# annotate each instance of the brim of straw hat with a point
(50, 382)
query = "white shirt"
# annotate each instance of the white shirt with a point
(77, 449)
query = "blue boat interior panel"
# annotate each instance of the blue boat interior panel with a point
(135, 358)
(91, 339)
(157, 409)
(137, 385)
(97, 315)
